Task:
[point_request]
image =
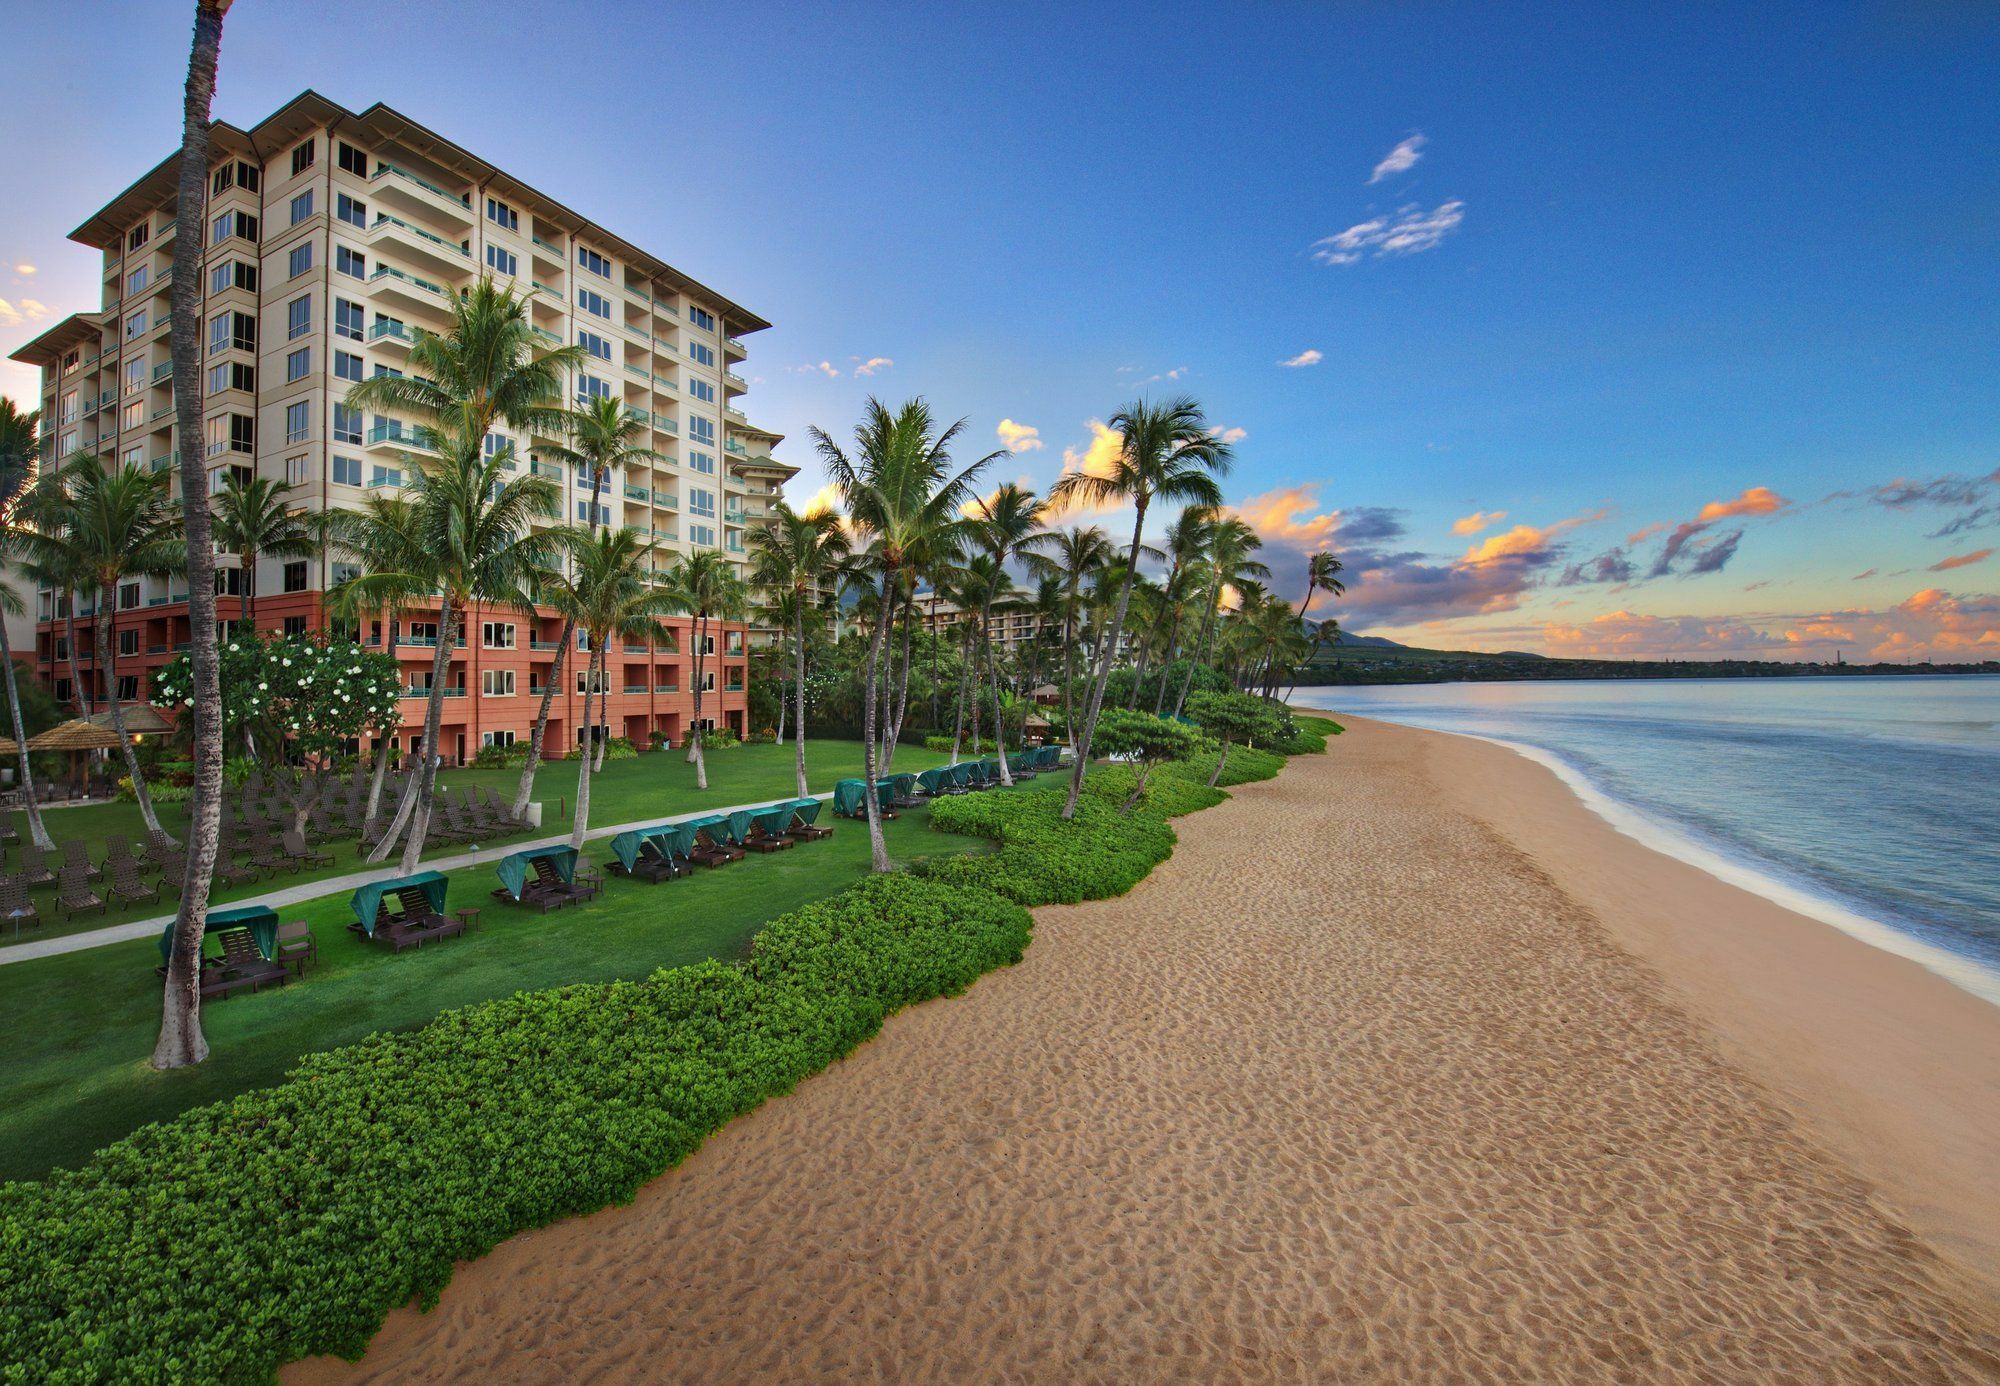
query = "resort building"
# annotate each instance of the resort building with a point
(1010, 626)
(332, 236)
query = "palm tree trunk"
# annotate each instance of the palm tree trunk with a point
(700, 753)
(964, 680)
(993, 676)
(380, 771)
(1103, 675)
(527, 785)
(583, 760)
(1167, 662)
(181, 1041)
(69, 641)
(694, 733)
(1069, 674)
(799, 693)
(139, 790)
(878, 847)
(246, 578)
(416, 807)
(38, 831)
(902, 686)
(1201, 652)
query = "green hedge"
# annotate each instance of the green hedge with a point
(288, 1221)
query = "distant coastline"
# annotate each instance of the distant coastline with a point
(1386, 663)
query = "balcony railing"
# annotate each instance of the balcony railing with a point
(381, 169)
(545, 646)
(389, 327)
(392, 431)
(547, 469)
(391, 272)
(163, 370)
(554, 250)
(383, 217)
(637, 688)
(637, 493)
(666, 688)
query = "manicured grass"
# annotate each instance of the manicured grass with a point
(655, 784)
(80, 1026)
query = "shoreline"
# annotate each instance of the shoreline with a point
(1351, 1086)
(1896, 1066)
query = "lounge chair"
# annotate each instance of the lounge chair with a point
(35, 869)
(74, 894)
(76, 852)
(296, 847)
(768, 829)
(268, 853)
(656, 859)
(158, 847)
(801, 827)
(404, 911)
(15, 906)
(297, 946)
(9, 834)
(543, 878)
(711, 846)
(902, 791)
(242, 965)
(127, 884)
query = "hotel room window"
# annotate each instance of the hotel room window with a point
(352, 160)
(347, 470)
(703, 355)
(502, 261)
(701, 430)
(702, 390)
(500, 214)
(699, 461)
(346, 366)
(295, 577)
(701, 318)
(497, 635)
(298, 365)
(302, 206)
(135, 376)
(593, 302)
(138, 237)
(298, 317)
(346, 424)
(135, 281)
(594, 344)
(351, 263)
(497, 683)
(295, 471)
(351, 210)
(593, 262)
(298, 421)
(589, 387)
(701, 502)
(301, 259)
(302, 157)
(135, 325)
(347, 319)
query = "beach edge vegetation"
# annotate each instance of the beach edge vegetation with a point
(287, 1222)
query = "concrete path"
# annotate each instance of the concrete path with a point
(337, 885)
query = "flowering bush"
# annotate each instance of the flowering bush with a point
(307, 689)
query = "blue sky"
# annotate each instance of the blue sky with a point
(1644, 261)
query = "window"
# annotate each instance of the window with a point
(497, 635)
(231, 375)
(295, 625)
(593, 262)
(700, 354)
(230, 433)
(233, 224)
(295, 576)
(701, 502)
(295, 471)
(133, 414)
(496, 738)
(135, 282)
(69, 407)
(589, 387)
(595, 345)
(135, 324)
(701, 318)
(298, 365)
(226, 330)
(350, 262)
(352, 160)
(702, 390)
(351, 210)
(299, 317)
(347, 319)
(346, 366)
(347, 572)
(347, 470)
(346, 424)
(592, 302)
(501, 214)
(701, 430)
(71, 362)
(301, 259)
(138, 237)
(128, 641)
(135, 457)
(502, 261)
(128, 688)
(424, 632)
(135, 376)
(386, 476)
(496, 683)
(232, 274)
(302, 158)
(298, 421)
(583, 513)
(66, 444)
(703, 535)
(302, 206)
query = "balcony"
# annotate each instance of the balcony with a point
(640, 688)
(447, 257)
(394, 434)
(736, 416)
(666, 502)
(163, 371)
(644, 416)
(734, 383)
(545, 646)
(547, 469)
(551, 250)
(546, 337)
(733, 346)
(402, 189)
(387, 332)
(734, 448)
(636, 649)
(640, 372)
(419, 295)
(637, 493)
(666, 688)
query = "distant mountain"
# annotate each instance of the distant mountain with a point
(1368, 642)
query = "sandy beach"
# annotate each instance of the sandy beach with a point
(1405, 1066)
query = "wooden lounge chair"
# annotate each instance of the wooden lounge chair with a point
(35, 870)
(126, 883)
(549, 881)
(297, 848)
(803, 827)
(268, 853)
(240, 968)
(712, 846)
(766, 832)
(15, 906)
(74, 894)
(297, 946)
(76, 852)
(411, 922)
(656, 862)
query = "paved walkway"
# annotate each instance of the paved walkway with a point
(337, 885)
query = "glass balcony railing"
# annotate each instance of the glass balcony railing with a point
(554, 250)
(547, 469)
(383, 218)
(637, 493)
(548, 338)
(384, 170)
(391, 272)
(163, 370)
(644, 416)
(393, 431)
(389, 327)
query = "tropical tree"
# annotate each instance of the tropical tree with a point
(706, 586)
(255, 519)
(1073, 557)
(1144, 739)
(17, 463)
(1231, 544)
(1323, 571)
(615, 596)
(478, 543)
(1186, 549)
(99, 526)
(798, 557)
(1230, 718)
(605, 434)
(1008, 524)
(900, 490)
(181, 1041)
(1167, 452)
(382, 536)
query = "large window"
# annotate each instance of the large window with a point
(500, 214)
(351, 210)
(704, 535)
(302, 206)
(699, 461)
(593, 262)
(135, 325)
(347, 319)
(700, 429)
(299, 317)
(347, 470)
(298, 364)
(351, 263)
(232, 274)
(346, 424)
(497, 635)
(593, 302)
(298, 421)
(701, 318)
(502, 261)
(295, 577)
(346, 366)
(233, 224)
(302, 157)
(701, 390)
(497, 683)
(589, 387)
(135, 282)
(352, 160)
(232, 375)
(701, 354)
(594, 344)
(701, 502)
(301, 258)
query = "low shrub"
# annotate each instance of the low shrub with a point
(501, 757)
(620, 748)
(1307, 735)
(161, 791)
(966, 745)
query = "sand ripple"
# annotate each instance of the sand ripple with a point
(1346, 1089)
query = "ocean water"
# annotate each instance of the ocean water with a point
(1870, 803)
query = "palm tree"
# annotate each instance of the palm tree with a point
(478, 544)
(900, 490)
(1166, 452)
(798, 557)
(1075, 555)
(1323, 570)
(615, 595)
(99, 527)
(17, 463)
(1008, 523)
(606, 435)
(383, 537)
(181, 1041)
(1186, 548)
(707, 587)
(1322, 632)
(1231, 542)
(255, 519)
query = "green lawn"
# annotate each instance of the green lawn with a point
(81, 1025)
(652, 785)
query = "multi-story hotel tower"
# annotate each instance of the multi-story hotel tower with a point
(331, 236)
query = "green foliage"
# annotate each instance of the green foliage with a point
(620, 748)
(1149, 739)
(501, 757)
(1239, 718)
(713, 738)
(167, 793)
(1307, 735)
(315, 692)
(966, 746)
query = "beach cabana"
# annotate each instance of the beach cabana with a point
(544, 877)
(711, 845)
(850, 798)
(800, 824)
(961, 775)
(767, 830)
(737, 825)
(404, 911)
(937, 780)
(75, 737)
(249, 936)
(903, 790)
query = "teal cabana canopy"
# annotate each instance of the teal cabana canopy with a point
(961, 773)
(904, 783)
(367, 901)
(934, 779)
(514, 869)
(806, 809)
(714, 824)
(678, 838)
(773, 820)
(738, 824)
(885, 789)
(260, 920)
(848, 797)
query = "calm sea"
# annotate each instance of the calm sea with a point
(1872, 803)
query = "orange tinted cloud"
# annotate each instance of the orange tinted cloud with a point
(1929, 625)
(1477, 520)
(1289, 516)
(1758, 500)
(1098, 457)
(1526, 541)
(1961, 560)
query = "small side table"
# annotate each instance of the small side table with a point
(469, 918)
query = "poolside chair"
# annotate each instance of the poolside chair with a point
(74, 894)
(126, 883)
(15, 906)
(267, 852)
(296, 848)
(158, 846)
(902, 791)
(76, 852)
(9, 834)
(767, 830)
(711, 846)
(802, 827)
(573, 891)
(242, 965)
(657, 860)
(297, 946)
(35, 869)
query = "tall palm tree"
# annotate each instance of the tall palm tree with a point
(799, 556)
(382, 536)
(1186, 547)
(1323, 570)
(255, 519)
(706, 586)
(1321, 633)
(605, 435)
(1074, 556)
(901, 490)
(181, 1041)
(1231, 542)
(17, 464)
(614, 596)
(478, 544)
(99, 527)
(1008, 524)
(1166, 452)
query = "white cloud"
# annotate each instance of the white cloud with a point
(1230, 435)
(1401, 159)
(1410, 231)
(1019, 437)
(871, 365)
(1309, 357)
(24, 268)
(825, 368)
(28, 311)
